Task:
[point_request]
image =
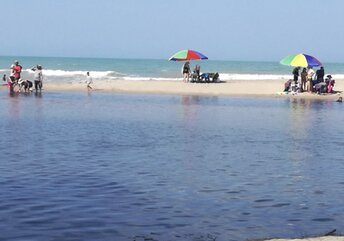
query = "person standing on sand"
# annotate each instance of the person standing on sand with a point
(296, 73)
(320, 74)
(303, 79)
(186, 72)
(310, 75)
(38, 77)
(88, 81)
(16, 69)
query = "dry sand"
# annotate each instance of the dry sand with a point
(267, 88)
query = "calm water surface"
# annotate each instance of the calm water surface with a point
(78, 166)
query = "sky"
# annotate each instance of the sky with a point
(254, 30)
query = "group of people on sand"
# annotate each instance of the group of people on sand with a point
(16, 83)
(186, 71)
(196, 76)
(309, 81)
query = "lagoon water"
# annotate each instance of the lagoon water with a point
(99, 166)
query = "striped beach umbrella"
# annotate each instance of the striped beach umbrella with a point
(188, 54)
(300, 60)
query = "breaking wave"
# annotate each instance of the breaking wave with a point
(79, 75)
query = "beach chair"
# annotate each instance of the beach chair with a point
(195, 78)
(215, 77)
(204, 77)
(209, 77)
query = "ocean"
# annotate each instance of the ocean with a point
(109, 166)
(74, 69)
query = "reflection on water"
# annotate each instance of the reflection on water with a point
(93, 166)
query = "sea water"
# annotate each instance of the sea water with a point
(97, 166)
(74, 69)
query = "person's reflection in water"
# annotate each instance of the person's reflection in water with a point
(192, 104)
(38, 94)
(196, 100)
(13, 94)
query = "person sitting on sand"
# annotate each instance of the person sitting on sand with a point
(88, 81)
(196, 73)
(330, 83)
(197, 70)
(295, 87)
(287, 85)
(320, 88)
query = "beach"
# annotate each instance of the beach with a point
(258, 88)
(172, 121)
(228, 160)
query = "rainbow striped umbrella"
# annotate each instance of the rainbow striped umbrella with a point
(187, 54)
(300, 60)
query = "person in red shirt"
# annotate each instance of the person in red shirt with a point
(16, 70)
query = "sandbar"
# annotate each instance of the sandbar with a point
(259, 88)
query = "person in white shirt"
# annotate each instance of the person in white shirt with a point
(310, 76)
(38, 77)
(88, 81)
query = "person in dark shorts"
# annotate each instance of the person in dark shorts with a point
(38, 77)
(320, 75)
(186, 71)
(296, 73)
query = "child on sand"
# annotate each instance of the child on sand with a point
(88, 81)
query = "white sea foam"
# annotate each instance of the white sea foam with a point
(230, 76)
(134, 78)
(56, 75)
(65, 73)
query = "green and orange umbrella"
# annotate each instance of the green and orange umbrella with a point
(188, 54)
(301, 60)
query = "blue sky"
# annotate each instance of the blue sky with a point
(221, 29)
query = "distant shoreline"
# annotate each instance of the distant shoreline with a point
(249, 88)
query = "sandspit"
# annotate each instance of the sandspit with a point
(259, 88)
